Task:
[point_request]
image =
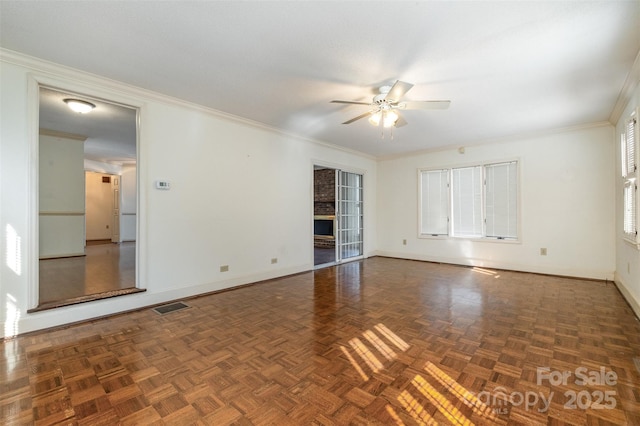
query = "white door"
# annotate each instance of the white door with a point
(115, 225)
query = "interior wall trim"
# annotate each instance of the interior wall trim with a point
(635, 304)
(41, 65)
(626, 93)
(507, 139)
(73, 213)
(586, 274)
(65, 135)
(62, 255)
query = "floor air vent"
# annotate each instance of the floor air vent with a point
(165, 309)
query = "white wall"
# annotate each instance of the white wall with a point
(240, 195)
(627, 255)
(61, 197)
(128, 208)
(566, 182)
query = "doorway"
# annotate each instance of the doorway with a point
(338, 225)
(87, 180)
(102, 201)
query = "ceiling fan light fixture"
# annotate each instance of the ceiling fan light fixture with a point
(375, 118)
(79, 106)
(388, 118)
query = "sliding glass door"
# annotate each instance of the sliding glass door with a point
(349, 216)
(338, 216)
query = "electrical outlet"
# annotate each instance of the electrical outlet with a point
(274, 260)
(404, 242)
(224, 268)
(543, 251)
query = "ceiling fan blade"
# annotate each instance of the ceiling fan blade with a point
(400, 121)
(350, 102)
(358, 117)
(424, 104)
(398, 90)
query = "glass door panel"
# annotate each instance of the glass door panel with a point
(350, 223)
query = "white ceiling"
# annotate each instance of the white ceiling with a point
(110, 129)
(508, 67)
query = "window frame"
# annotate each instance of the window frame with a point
(630, 178)
(483, 237)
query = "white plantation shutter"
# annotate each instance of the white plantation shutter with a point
(474, 202)
(629, 147)
(466, 201)
(630, 223)
(629, 166)
(435, 202)
(501, 200)
(623, 154)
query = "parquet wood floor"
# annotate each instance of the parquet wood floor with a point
(105, 268)
(380, 341)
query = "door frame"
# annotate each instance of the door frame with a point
(337, 169)
(340, 215)
(89, 90)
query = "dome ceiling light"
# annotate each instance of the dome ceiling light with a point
(79, 106)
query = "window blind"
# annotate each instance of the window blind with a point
(630, 223)
(466, 201)
(628, 150)
(501, 200)
(629, 163)
(435, 202)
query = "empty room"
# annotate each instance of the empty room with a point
(319, 212)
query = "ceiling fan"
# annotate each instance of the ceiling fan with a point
(383, 107)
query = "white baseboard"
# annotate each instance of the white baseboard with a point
(634, 303)
(484, 263)
(102, 308)
(62, 255)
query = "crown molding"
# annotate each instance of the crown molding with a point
(58, 71)
(626, 94)
(507, 139)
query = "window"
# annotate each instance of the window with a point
(474, 202)
(628, 149)
(435, 202)
(466, 202)
(501, 200)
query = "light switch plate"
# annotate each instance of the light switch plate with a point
(163, 184)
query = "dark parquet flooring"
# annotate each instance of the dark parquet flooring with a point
(105, 268)
(380, 341)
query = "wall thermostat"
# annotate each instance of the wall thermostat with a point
(163, 184)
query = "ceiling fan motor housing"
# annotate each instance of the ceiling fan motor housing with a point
(380, 99)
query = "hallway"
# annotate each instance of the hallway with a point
(106, 269)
